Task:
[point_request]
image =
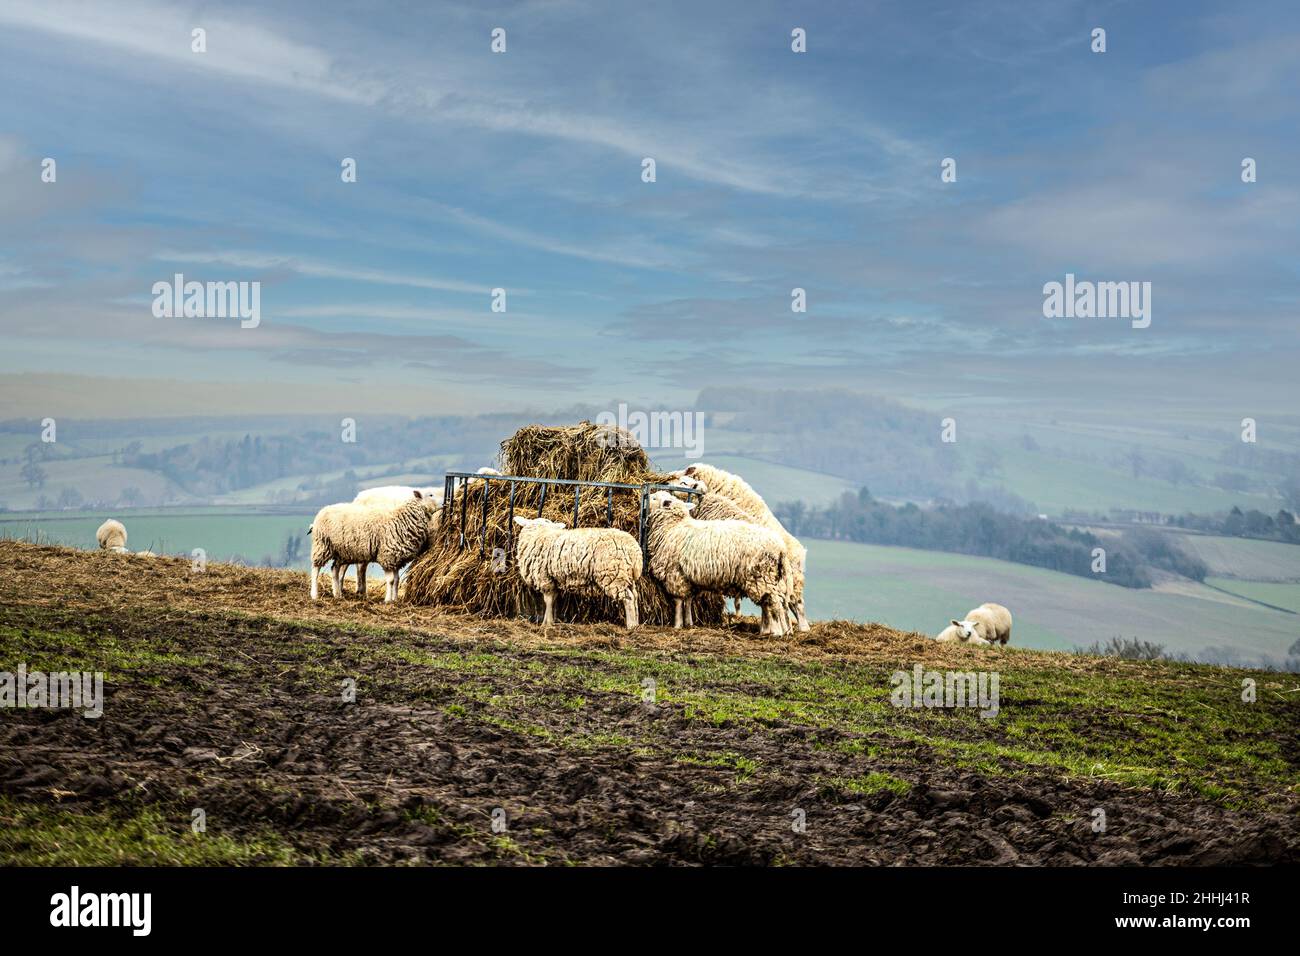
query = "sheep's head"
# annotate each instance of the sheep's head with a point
(968, 629)
(664, 503)
(421, 503)
(695, 484)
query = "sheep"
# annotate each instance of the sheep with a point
(688, 555)
(552, 558)
(987, 624)
(956, 633)
(358, 534)
(707, 478)
(112, 536)
(394, 495)
(390, 497)
(716, 507)
(991, 621)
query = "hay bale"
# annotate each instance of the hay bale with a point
(582, 452)
(464, 578)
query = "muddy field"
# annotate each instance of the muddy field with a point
(473, 742)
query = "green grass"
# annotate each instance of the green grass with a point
(65, 650)
(870, 783)
(1170, 727)
(41, 835)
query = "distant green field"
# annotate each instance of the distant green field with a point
(224, 534)
(1280, 595)
(922, 590)
(1057, 484)
(1245, 558)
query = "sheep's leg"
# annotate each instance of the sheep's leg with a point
(336, 578)
(549, 598)
(677, 612)
(315, 581)
(737, 611)
(690, 613)
(361, 581)
(801, 616)
(765, 620)
(629, 608)
(777, 615)
(390, 586)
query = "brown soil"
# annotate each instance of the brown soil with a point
(259, 738)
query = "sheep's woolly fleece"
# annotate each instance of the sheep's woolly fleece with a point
(392, 496)
(687, 555)
(111, 535)
(992, 622)
(357, 534)
(603, 561)
(739, 491)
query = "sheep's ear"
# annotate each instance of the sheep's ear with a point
(520, 519)
(416, 492)
(559, 524)
(689, 471)
(954, 623)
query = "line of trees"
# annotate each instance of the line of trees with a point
(1245, 524)
(979, 529)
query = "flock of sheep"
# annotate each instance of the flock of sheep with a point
(727, 541)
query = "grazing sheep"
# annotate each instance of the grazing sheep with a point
(390, 497)
(956, 633)
(990, 621)
(604, 561)
(716, 507)
(112, 536)
(688, 555)
(358, 534)
(706, 478)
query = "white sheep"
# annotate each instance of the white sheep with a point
(987, 624)
(390, 497)
(707, 478)
(553, 558)
(688, 555)
(112, 536)
(956, 633)
(394, 495)
(716, 507)
(990, 621)
(350, 533)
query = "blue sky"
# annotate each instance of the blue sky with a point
(522, 170)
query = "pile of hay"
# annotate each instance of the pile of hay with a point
(465, 579)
